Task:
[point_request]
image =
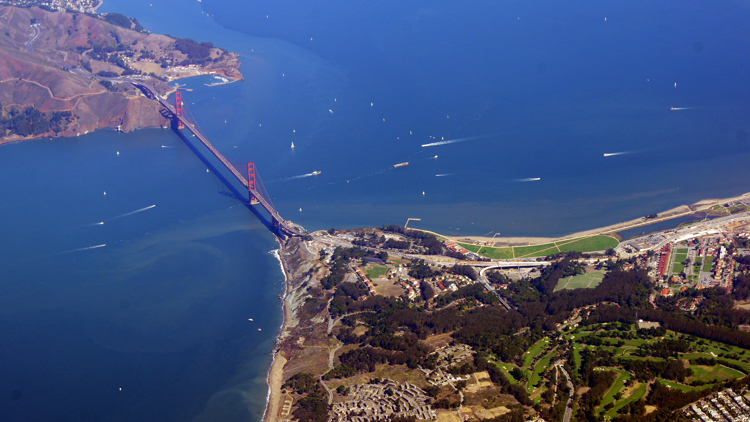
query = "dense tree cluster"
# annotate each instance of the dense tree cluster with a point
(340, 260)
(474, 291)
(516, 390)
(496, 277)
(647, 369)
(667, 348)
(465, 270)
(30, 121)
(118, 19)
(426, 240)
(420, 270)
(682, 322)
(346, 300)
(196, 52)
(397, 244)
(314, 405)
(741, 290)
(537, 301)
(599, 383)
(301, 382)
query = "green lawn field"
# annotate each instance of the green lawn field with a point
(637, 394)
(681, 387)
(536, 250)
(588, 244)
(506, 368)
(376, 271)
(539, 368)
(616, 387)
(707, 263)
(580, 281)
(489, 251)
(535, 351)
(713, 373)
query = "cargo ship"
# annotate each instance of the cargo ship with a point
(400, 165)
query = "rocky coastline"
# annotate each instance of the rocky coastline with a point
(302, 270)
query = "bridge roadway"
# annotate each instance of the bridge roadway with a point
(283, 224)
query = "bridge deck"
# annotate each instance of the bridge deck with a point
(189, 126)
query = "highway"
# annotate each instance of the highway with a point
(569, 406)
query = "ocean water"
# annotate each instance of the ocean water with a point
(529, 96)
(134, 304)
(536, 90)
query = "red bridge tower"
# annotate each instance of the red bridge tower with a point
(251, 186)
(178, 108)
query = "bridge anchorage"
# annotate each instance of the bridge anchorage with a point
(257, 194)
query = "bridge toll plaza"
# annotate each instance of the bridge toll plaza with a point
(257, 194)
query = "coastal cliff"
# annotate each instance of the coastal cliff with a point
(66, 74)
(303, 270)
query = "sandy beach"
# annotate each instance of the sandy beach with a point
(295, 261)
(275, 378)
(275, 381)
(677, 212)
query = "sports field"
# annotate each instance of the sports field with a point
(376, 271)
(585, 244)
(580, 281)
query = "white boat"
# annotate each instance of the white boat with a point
(401, 165)
(292, 145)
(315, 173)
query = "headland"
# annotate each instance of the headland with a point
(66, 73)
(363, 310)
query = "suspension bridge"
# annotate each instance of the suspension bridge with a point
(249, 176)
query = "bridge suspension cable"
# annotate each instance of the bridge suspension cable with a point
(258, 191)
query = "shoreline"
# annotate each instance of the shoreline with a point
(677, 212)
(274, 378)
(275, 375)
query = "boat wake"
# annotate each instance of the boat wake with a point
(455, 141)
(613, 154)
(301, 176)
(444, 175)
(131, 213)
(528, 179)
(83, 249)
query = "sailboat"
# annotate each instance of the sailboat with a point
(292, 145)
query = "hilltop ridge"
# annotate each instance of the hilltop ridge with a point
(66, 73)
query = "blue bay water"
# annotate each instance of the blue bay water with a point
(534, 89)
(152, 326)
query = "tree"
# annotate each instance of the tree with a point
(427, 291)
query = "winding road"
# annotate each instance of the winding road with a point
(569, 406)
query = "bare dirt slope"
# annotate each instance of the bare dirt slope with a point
(45, 62)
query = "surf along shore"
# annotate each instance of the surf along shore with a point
(303, 270)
